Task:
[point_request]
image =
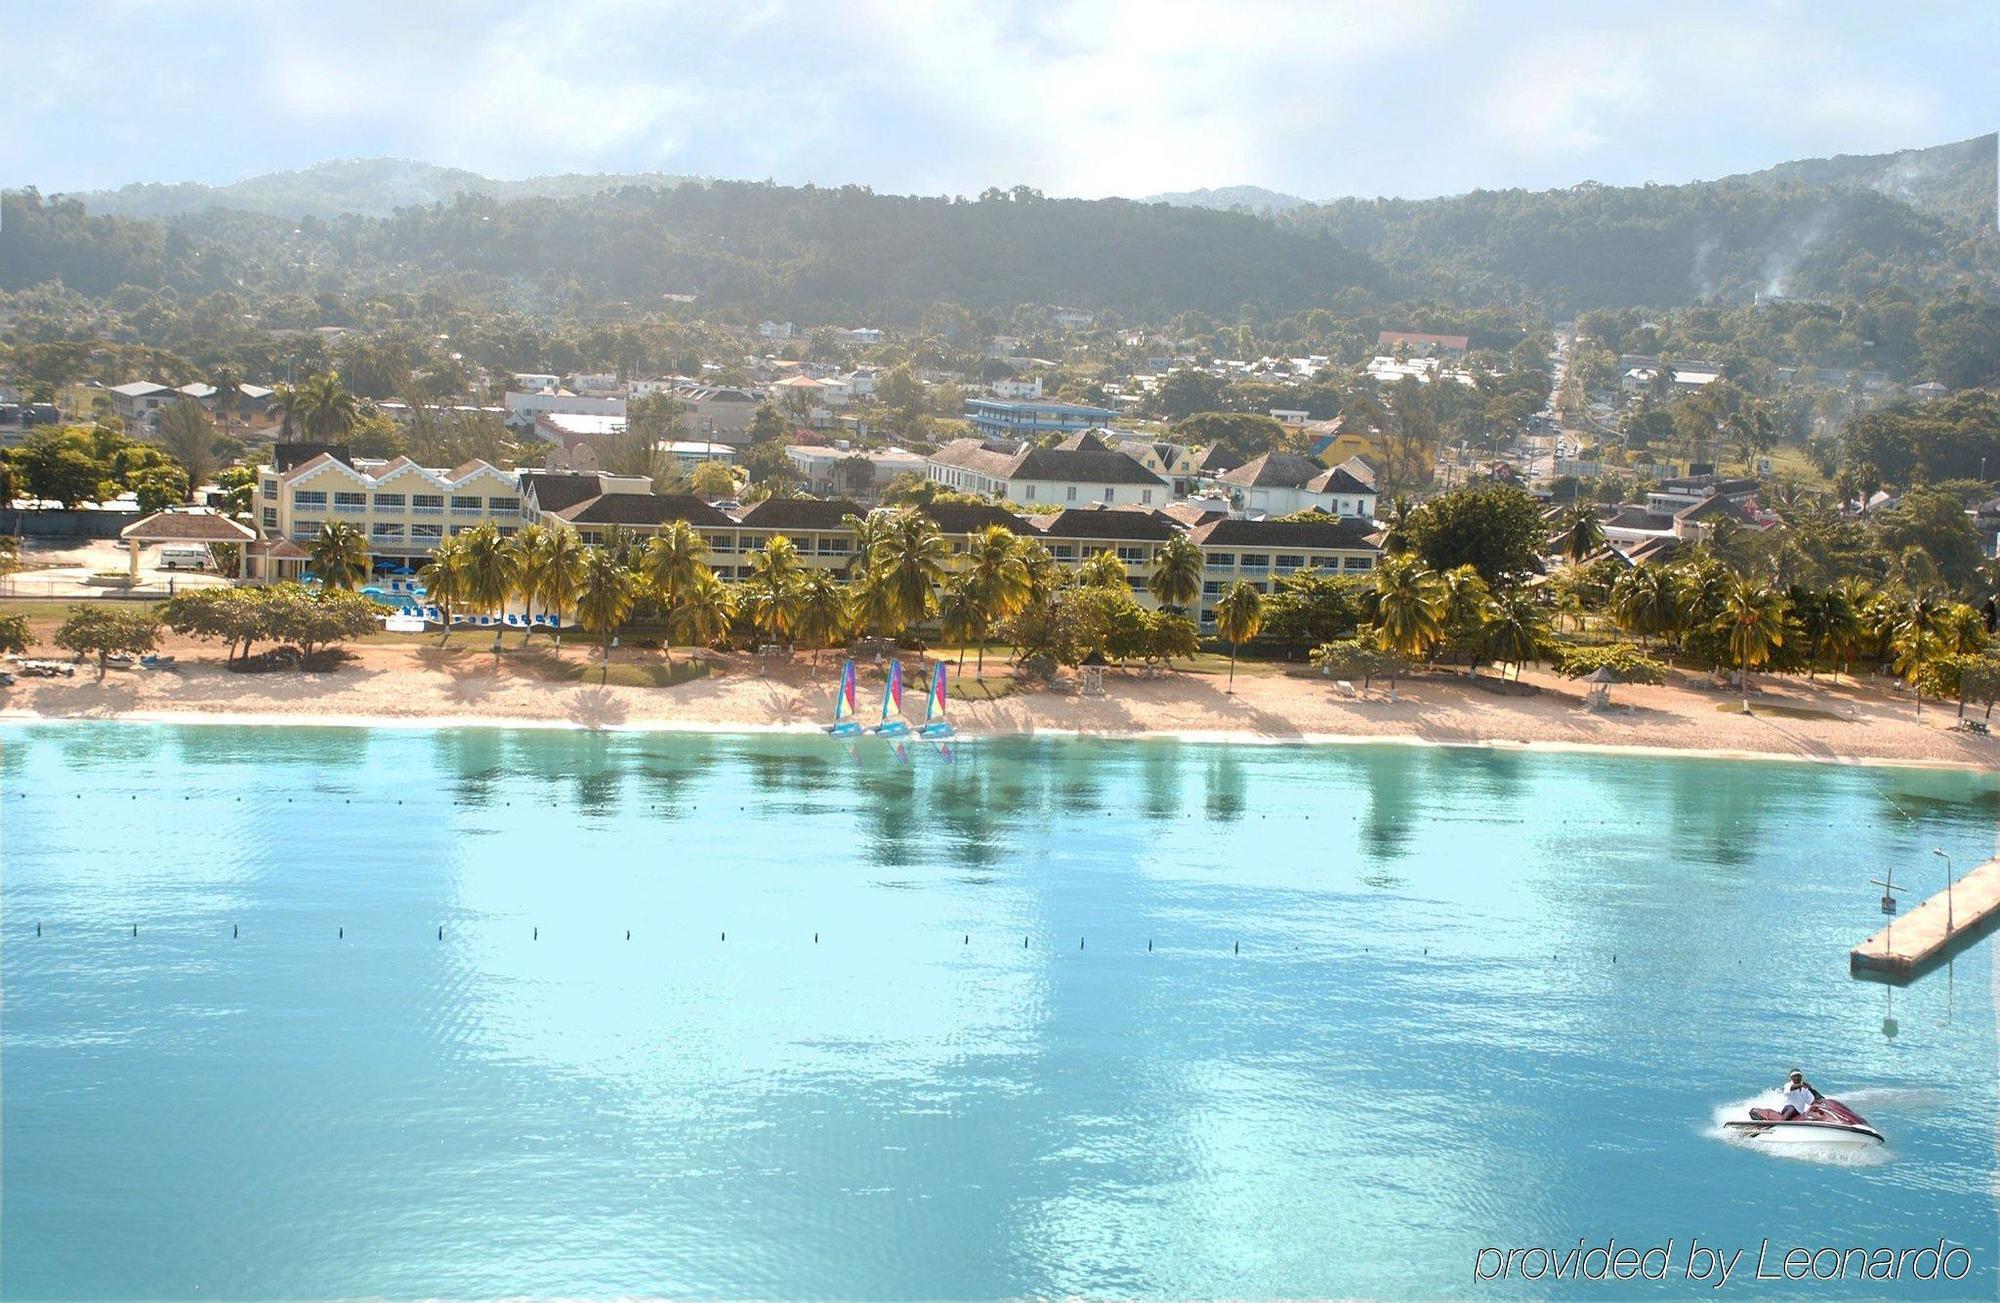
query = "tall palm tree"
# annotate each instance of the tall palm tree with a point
(1919, 638)
(1043, 573)
(1001, 584)
(1515, 630)
(878, 605)
(559, 563)
(604, 598)
(917, 557)
(1238, 617)
(704, 610)
(1582, 533)
(489, 573)
(1646, 600)
(960, 614)
(824, 616)
(1103, 569)
(339, 555)
(772, 591)
(871, 532)
(524, 562)
(672, 561)
(1463, 602)
(1396, 534)
(319, 407)
(1177, 571)
(1754, 616)
(444, 579)
(1409, 608)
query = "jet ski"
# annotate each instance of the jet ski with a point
(1827, 1123)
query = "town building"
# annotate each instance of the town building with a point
(1002, 419)
(837, 471)
(1261, 552)
(138, 404)
(1280, 483)
(1048, 478)
(1417, 344)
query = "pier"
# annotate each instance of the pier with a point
(1963, 911)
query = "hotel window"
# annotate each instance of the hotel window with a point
(270, 488)
(456, 530)
(463, 505)
(503, 505)
(1146, 497)
(387, 529)
(1108, 491)
(1357, 563)
(308, 500)
(427, 533)
(1211, 588)
(270, 518)
(1222, 560)
(1132, 555)
(1290, 561)
(427, 504)
(388, 502)
(1256, 560)
(721, 543)
(1072, 493)
(508, 531)
(1031, 493)
(352, 504)
(1063, 552)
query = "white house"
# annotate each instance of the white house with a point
(523, 408)
(1280, 483)
(1088, 470)
(1015, 388)
(774, 329)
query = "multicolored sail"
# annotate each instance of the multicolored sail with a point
(893, 722)
(935, 724)
(844, 724)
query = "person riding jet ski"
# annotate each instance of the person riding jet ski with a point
(1800, 1095)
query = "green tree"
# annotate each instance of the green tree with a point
(771, 593)
(188, 436)
(1103, 569)
(824, 615)
(603, 600)
(1495, 528)
(443, 577)
(704, 610)
(99, 629)
(712, 479)
(673, 561)
(1238, 617)
(1000, 583)
(1580, 533)
(14, 635)
(1409, 608)
(1753, 615)
(338, 555)
(1177, 571)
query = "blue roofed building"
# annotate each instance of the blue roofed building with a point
(1000, 418)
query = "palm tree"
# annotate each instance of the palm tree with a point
(188, 436)
(1462, 606)
(603, 600)
(489, 573)
(1043, 573)
(1103, 570)
(444, 579)
(916, 556)
(1396, 538)
(524, 562)
(1516, 630)
(1177, 571)
(1919, 639)
(1409, 608)
(1001, 583)
(771, 592)
(960, 615)
(1238, 617)
(559, 572)
(871, 533)
(1646, 600)
(705, 608)
(1582, 533)
(326, 409)
(673, 561)
(877, 604)
(1754, 615)
(338, 555)
(824, 616)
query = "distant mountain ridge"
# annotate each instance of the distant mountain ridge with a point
(1232, 198)
(369, 187)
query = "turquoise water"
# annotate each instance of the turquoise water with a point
(1284, 1095)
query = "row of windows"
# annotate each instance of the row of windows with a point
(421, 503)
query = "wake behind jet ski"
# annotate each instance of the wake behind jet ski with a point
(1806, 1117)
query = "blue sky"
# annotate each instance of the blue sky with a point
(1091, 97)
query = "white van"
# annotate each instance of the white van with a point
(184, 556)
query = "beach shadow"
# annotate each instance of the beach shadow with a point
(597, 707)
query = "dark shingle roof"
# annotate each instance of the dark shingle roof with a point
(1077, 523)
(800, 513)
(558, 490)
(1275, 470)
(1333, 532)
(1083, 466)
(643, 509)
(971, 517)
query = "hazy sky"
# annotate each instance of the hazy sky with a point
(1091, 97)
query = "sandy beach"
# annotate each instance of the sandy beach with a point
(423, 684)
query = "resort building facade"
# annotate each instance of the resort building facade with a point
(1083, 471)
(404, 510)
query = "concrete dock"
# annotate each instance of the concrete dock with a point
(1967, 910)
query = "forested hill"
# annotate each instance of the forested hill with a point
(370, 187)
(1823, 227)
(1831, 228)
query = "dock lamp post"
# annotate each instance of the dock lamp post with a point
(1939, 852)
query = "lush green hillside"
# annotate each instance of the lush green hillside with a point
(371, 187)
(1249, 198)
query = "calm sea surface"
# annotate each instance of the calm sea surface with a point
(1399, 1005)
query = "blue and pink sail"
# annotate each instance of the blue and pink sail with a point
(935, 724)
(844, 724)
(893, 724)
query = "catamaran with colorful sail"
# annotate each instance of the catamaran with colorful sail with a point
(935, 725)
(893, 724)
(844, 724)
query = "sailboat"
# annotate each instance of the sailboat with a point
(893, 724)
(935, 725)
(844, 724)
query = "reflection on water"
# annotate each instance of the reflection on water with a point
(726, 1017)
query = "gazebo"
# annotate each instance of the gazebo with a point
(1601, 680)
(187, 526)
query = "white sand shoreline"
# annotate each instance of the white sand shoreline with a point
(1237, 737)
